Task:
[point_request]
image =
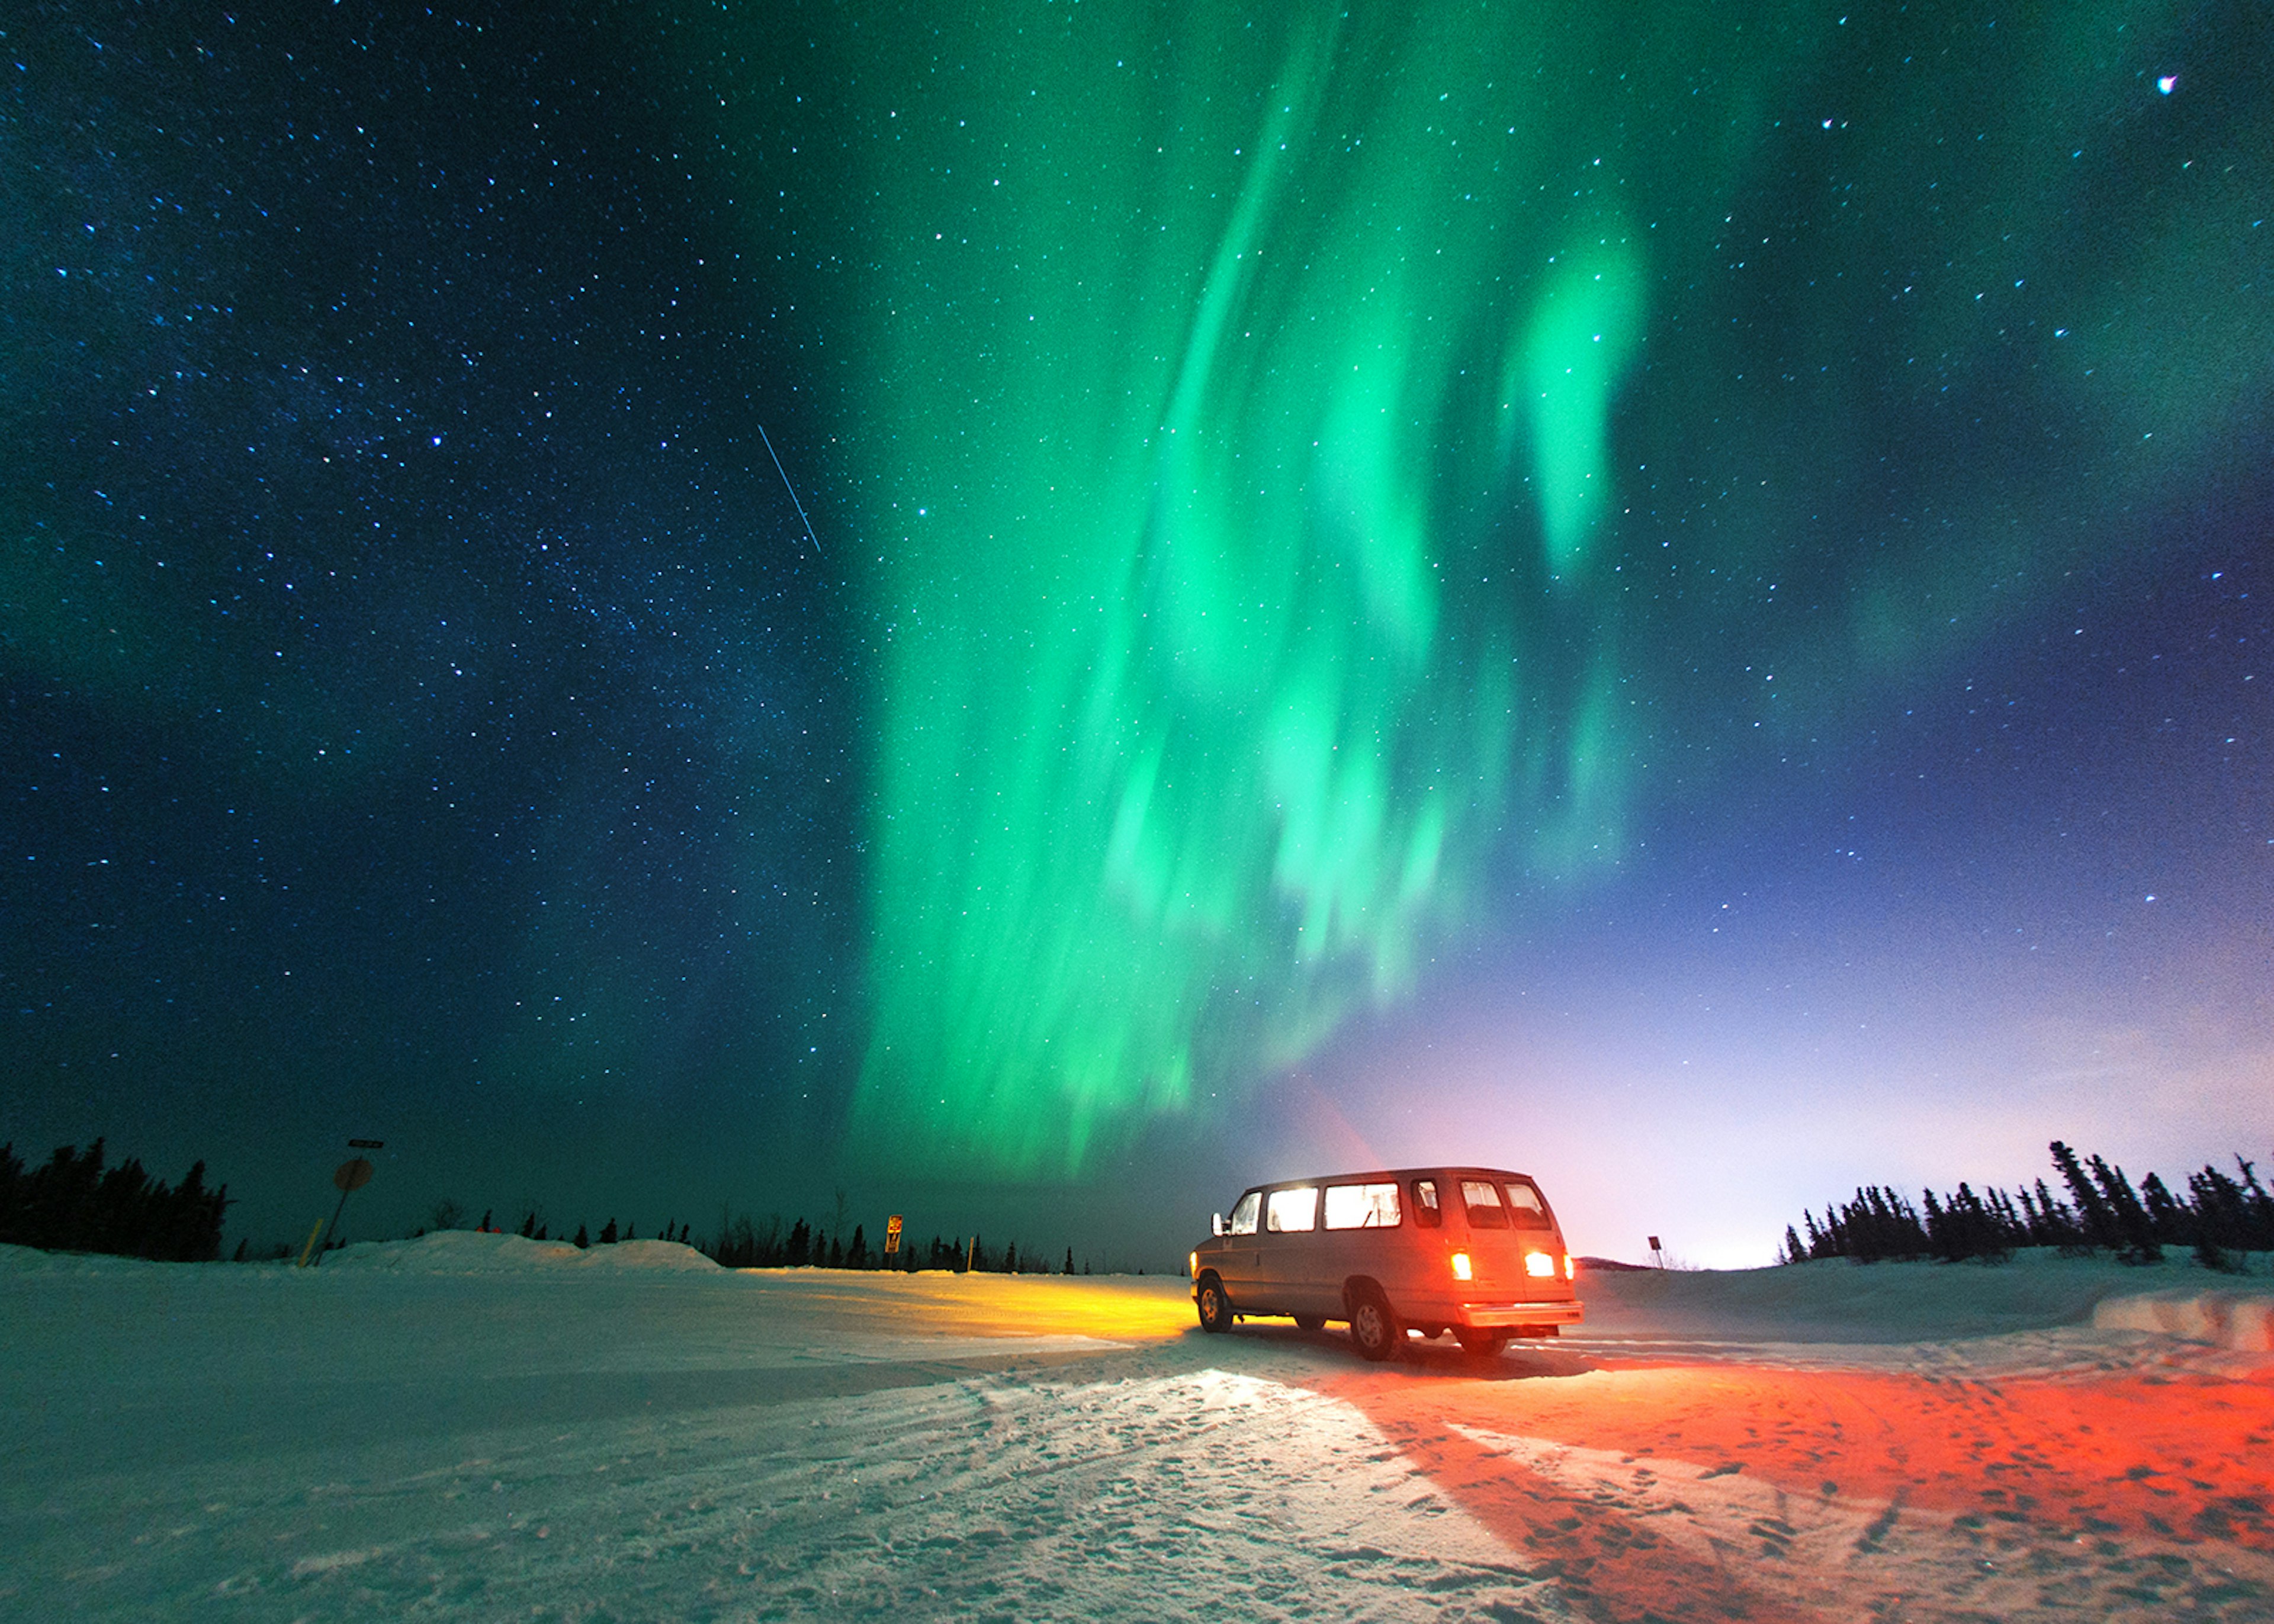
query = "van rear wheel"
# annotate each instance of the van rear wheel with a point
(1214, 1306)
(1308, 1322)
(1485, 1344)
(1374, 1328)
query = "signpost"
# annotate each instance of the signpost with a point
(350, 1175)
(1656, 1255)
(892, 1235)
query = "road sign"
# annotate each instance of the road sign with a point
(366, 1143)
(892, 1235)
(350, 1175)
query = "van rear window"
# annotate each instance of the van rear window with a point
(1481, 1197)
(1361, 1206)
(1527, 1208)
(1285, 1211)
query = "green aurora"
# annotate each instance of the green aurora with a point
(1326, 476)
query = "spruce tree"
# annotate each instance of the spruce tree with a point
(2170, 1222)
(2258, 1207)
(2132, 1220)
(2098, 1221)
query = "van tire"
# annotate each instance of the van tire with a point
(1484, 1344)
(1214, 1306)
(1309, 1322)
(1375, 1330)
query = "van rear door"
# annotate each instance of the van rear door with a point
(1495, 1260)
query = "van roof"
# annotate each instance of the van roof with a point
(1384, 1176)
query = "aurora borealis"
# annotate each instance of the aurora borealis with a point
(1582, 536)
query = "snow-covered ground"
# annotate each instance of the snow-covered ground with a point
(482, 1427)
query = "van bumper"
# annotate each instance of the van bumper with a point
(1500, 1316)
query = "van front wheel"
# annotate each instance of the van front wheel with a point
(1374, 1328)
(1216, 1307)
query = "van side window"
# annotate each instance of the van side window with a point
(1481, 1197)
(1426, 1210)
(1289, 1210)
(1243, 1217)
(1361, 1206)
(1527, 1208)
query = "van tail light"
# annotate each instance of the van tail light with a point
(1571, 1269)
(1461, 1268)
(1539, 1265)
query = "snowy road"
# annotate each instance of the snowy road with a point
(463, 1429)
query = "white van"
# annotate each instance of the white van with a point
(1473, 1251)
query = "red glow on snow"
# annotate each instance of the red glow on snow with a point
(1579, 1472)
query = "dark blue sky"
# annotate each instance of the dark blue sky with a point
(426, 716)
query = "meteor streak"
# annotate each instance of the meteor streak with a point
(792, 489)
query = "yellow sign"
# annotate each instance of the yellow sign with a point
(892, 1235)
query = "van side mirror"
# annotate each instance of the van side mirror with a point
(1219, 1223)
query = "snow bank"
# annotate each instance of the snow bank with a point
(1838, 1301)
(472, 1251)
(31, 1260)
(446, 1252)
(2224, 1319)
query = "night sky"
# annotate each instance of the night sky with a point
(1672, 595)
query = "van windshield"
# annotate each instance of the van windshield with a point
(1243, 1217)
(1481, 1197)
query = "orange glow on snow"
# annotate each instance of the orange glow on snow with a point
(1109, 1307)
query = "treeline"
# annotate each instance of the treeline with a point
(2219, 1217)
(741, 1243)
(448, 1215)
(73, 1203)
